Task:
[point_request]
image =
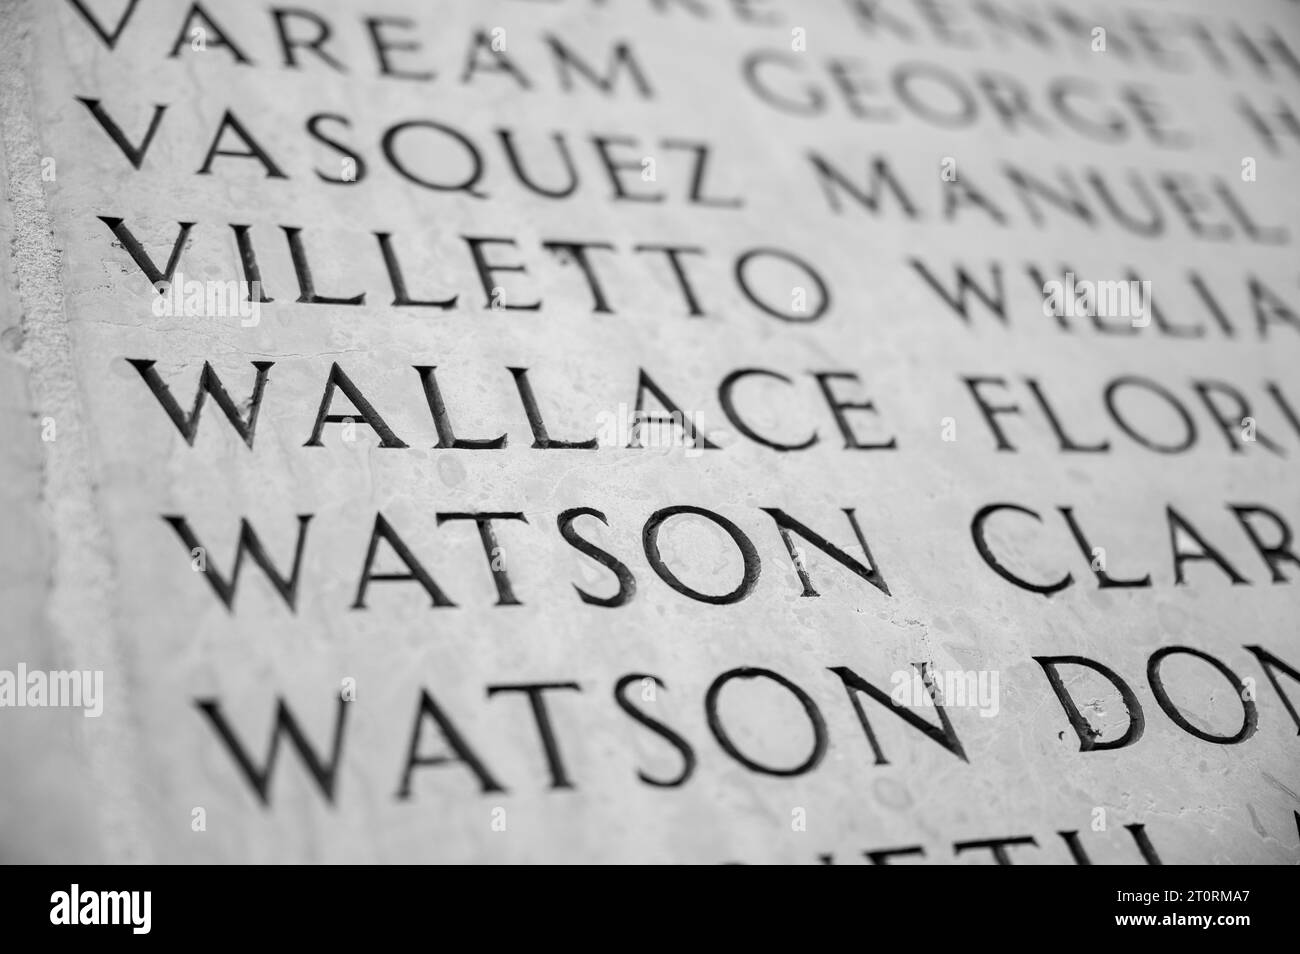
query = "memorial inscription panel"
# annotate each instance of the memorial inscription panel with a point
(682, 431)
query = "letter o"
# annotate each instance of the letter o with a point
(724, 740)
(903, 77)
(1188, 424)
(1250, 717)
(650, 542)
(823, 293)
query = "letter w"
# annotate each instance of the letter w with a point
(993, 298)
(250, 544)
(209, 383)
(325, 774)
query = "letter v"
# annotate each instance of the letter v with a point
(110, 39)
(141, 257)
(133, 153)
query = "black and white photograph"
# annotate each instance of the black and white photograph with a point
(650, 432)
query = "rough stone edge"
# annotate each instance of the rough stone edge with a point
(80, 607)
